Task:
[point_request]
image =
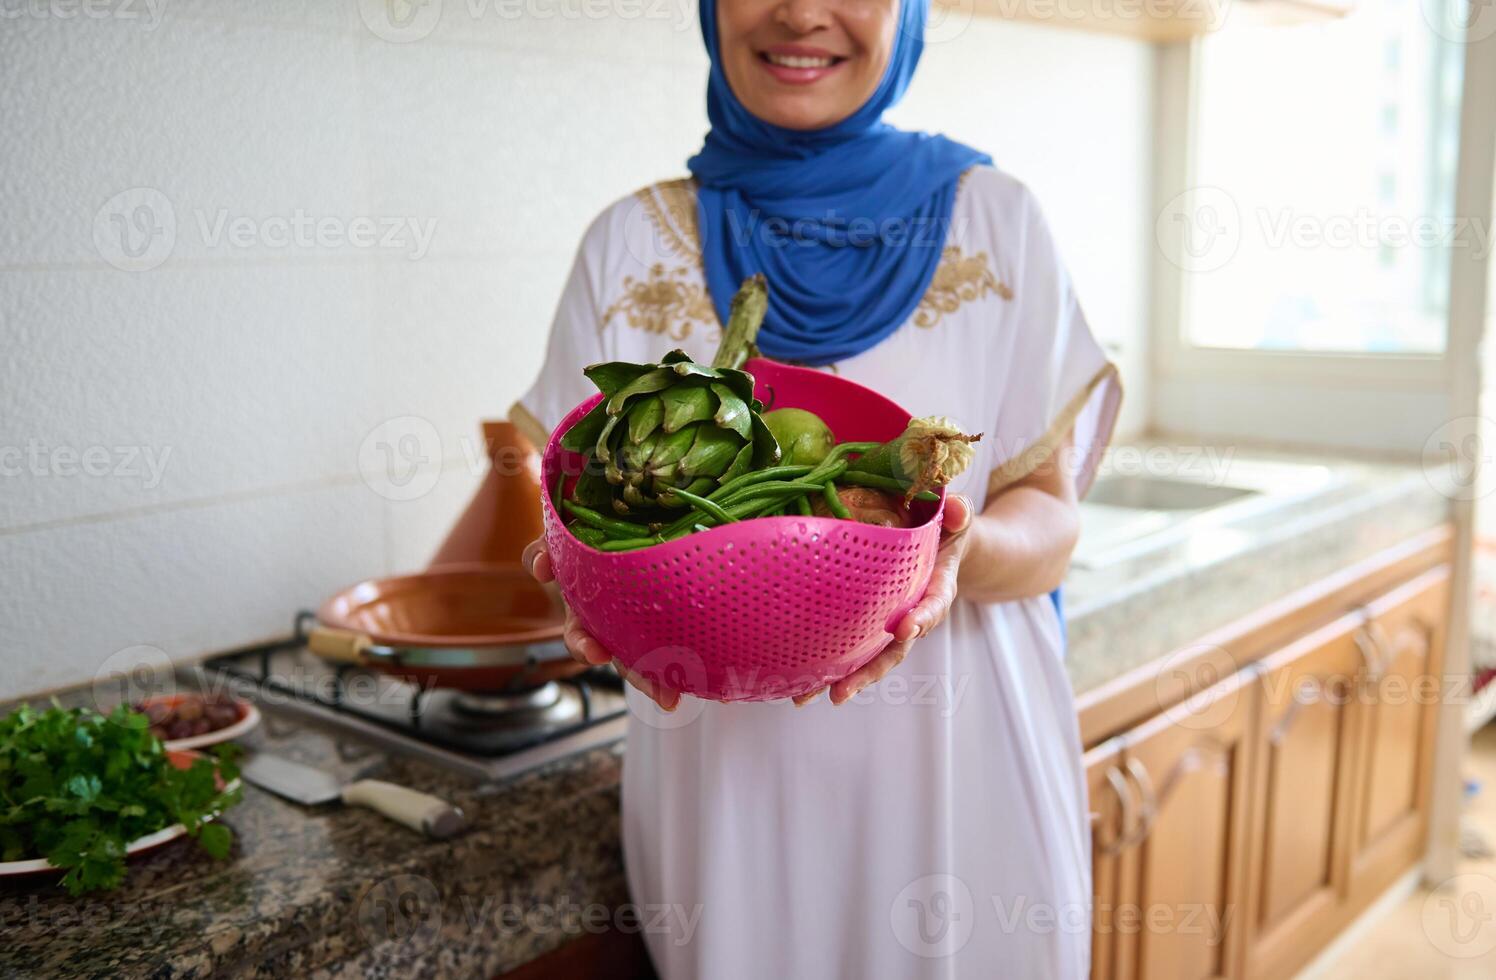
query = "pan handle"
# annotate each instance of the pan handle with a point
(343, 646)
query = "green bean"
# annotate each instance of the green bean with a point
(837, 455)
(822, 473)
(805, 485)
(761, 493)
(833, 501)
(701, 503)
(588, 535)
(756, 494)
(751, 507)
(629, 544)
(860, 479)
(748, 479)
(614, 528)
(769, 489)
(556, 491)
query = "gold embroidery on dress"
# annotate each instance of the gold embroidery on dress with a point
(671, 206)
(958, 279)
(665, 303)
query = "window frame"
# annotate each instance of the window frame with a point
(1329, 383)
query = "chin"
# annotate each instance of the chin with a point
(794, 114)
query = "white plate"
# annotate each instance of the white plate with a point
(249, 717)
(137, 846)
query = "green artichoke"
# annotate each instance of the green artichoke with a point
(676, 424)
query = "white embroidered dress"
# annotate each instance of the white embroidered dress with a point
(936, 825)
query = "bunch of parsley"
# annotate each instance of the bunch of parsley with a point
(76, 788)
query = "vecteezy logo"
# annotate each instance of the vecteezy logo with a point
(1186, 685)
(677, 668)
(1455, 454)
(947, 20)
(131, 675)
(933, 916)
(400, 21)
(135, 230)
(648, 232)
(401, 458)
(404, 909)
(1459, 917)
(1199, 230)
(1460, 21)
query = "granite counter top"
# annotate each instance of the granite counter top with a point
(342, 892)
(1125, 613)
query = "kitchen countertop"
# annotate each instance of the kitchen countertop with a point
(342, 892)
(1124, 614)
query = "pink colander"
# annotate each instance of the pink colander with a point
(762, 609)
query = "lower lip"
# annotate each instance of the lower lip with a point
(799, 76)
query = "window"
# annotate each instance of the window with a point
(1323, 174)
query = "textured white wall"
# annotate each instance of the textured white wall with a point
(192, 398)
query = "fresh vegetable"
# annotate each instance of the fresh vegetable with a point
(833, 502)
(802, 436)
(76, 788)
(674, 425)
(677, 447)
(929, 453)
(868, 506)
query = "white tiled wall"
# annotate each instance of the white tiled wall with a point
(181, 444)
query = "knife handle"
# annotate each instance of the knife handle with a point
(431, 815)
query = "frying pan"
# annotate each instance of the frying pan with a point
(473, 627)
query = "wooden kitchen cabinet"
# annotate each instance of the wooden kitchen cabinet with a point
(1191, 766)
(1279, 803)
(1403, 645)
(1170, 851)
(1301, 797)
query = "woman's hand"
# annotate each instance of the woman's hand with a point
(583, 646)
(924, 617)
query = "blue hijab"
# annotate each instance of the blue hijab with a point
(847, 222)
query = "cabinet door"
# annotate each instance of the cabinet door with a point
(1301, 797)
(1403, 641)
(1114, 815)
(1191, 767)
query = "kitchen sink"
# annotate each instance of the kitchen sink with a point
(1158, 493)
(1129, 515)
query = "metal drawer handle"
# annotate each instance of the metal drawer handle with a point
(1371, 653)
(1306, 696)
(1149, 816)
(1129, 803)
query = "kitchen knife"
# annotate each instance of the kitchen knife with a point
(431, 815)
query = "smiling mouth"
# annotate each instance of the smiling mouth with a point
(799, 60)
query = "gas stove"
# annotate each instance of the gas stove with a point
(487, 735)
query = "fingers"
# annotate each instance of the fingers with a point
(805, 699)
(582, 644)
(932, 608)
(538, 561)
(869, 673)
(667, 699)
(958, 513)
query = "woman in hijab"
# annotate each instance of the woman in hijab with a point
(931, 822)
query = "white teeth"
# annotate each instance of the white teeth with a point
(798, 61)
